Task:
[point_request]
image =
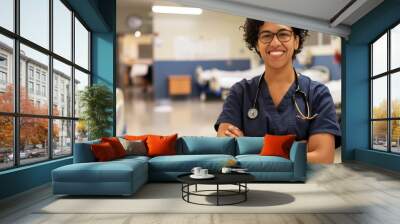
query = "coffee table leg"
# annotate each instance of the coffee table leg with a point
(217, 194)
(245, 191)
(196, 188)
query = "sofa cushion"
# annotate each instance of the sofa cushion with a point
(112, 171)
(134, 147)
(83, 152)
(159, 145)
(249, 145)
(103, 152)
(257, 163)
(197, 145)
(277, 145)
(116, 145)
(185, 163)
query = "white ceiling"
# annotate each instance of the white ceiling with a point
(317, 15)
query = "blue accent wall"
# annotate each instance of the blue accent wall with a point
(24, 178)
(355, 97)
(100, 17)
(162, 69)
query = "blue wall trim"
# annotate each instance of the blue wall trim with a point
(162, 69)
(385, 160)
(355, 110)
(89, 11)
(24, 178)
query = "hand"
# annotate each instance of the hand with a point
(229, 130)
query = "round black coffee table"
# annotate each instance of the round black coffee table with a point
(238, 179)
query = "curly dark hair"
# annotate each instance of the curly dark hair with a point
(251, 28)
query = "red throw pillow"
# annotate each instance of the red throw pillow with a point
(161, 145)
(277, 145)
(116, 145)
(103, 152)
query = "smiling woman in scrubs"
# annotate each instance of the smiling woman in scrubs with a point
(281, 101)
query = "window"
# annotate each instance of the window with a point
(3, 72)
(62, 137)
(3, 61)
(81, 81)
(45, 131)
(6, 142)
(385, 97)
(6, 73)
(44, 91)
(30, 72)
(37, 75)
(30, 88)
(62, 74)
(38, 89)
(81, 45)
(34, 21)
(3, 78)
(62, 29)
(43, 77)
(7, 14)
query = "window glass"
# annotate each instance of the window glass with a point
(6, 142)
(379, 135)
(379, 56)
(62, 91)
(81, 45)
(395, 136)
(6, 74)
(39, 62)
(395, 95)
(395, 47)
(62, 29)
(62, 138)
(7, 14)
(379, 97)
(34, 21)
(81, 82)
(33, 140)
(81, 131)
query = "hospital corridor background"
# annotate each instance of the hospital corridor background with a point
(175, 70)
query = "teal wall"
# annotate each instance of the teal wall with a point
(100, 17)
(355, 97)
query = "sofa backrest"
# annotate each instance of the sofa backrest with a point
(192, 145)
(83, 152)
(249, 145)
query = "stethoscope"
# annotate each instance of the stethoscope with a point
(252, 113)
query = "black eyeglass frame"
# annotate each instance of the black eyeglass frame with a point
(275, 34)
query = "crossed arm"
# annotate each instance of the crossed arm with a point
(320, 146)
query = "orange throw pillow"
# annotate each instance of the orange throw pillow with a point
(103, 152)
(277, 145)
(161, 145)
(116, 145)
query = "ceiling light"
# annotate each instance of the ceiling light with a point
(138, 33)
(176, 10)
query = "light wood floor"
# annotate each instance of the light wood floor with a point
(377, 188)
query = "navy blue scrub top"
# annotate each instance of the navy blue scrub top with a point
(281, 120)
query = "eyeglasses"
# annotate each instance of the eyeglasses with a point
(283, 36)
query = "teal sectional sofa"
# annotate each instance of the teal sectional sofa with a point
(125, 176)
